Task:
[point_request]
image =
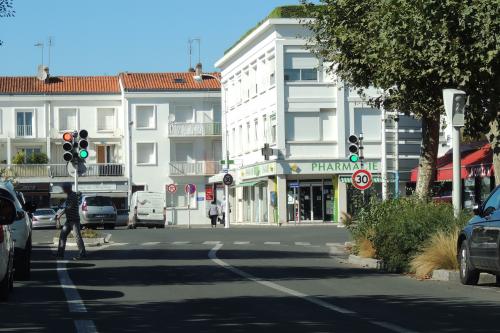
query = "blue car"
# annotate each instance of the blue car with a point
(479, 242)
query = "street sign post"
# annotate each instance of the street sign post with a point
(362, 180)
(190, 189)
(172, 188)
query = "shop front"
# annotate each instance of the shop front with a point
(38, 193)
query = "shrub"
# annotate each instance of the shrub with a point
(36, 158)
(440, 252)
(366, 249)
(19, 158)
(398, 229)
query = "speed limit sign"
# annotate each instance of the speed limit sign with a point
(362, 180)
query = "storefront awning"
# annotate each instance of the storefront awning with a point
(248, 184)
(475, 163)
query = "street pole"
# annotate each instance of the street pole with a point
(457, 179)
(384, 156)
(76, 179)
(189, 210)
(396, 161)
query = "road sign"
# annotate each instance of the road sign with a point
(228, 179)
(294, 185)
(172, 188)
(362, 180)
(223, 162)
(190, 189)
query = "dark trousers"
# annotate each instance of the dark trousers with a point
(213, 220)
(66, 229)
(223, 220)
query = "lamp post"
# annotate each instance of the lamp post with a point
(199, 77)
(454, 104)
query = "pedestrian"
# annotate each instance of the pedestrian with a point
(71, 209)
(223, 211)
(213, 214)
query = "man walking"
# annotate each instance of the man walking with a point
(71, 210)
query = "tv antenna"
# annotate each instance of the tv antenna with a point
(190, 45)
(41, 46)
(50, 43)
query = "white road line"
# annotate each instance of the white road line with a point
(272, 243)
(150, 244)
(85, 326)
(180, 243)
(311, 299)
(118, 244)
(75, 303)
(211, 242)
(302, 243)
(241, 243)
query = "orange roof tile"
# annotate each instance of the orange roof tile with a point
(168, 82)
(60, 85)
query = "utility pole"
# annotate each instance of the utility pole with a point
(384, 155)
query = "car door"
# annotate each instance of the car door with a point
(484, 244)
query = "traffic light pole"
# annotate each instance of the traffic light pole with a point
(76, 180)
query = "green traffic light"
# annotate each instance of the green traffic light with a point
(84, 154)
(354, 158)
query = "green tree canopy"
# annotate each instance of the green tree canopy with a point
(6, 10)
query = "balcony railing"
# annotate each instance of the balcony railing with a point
(203, 168)
(194, 129)
(59, 170)
(24, 130)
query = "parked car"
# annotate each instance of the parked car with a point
(97, 211)
(8, 213)
(478, 243)
(44, 218)
(21, 231)
(148, 209)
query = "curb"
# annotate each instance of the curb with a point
(365, 262)
(89, 242)
(445, 275)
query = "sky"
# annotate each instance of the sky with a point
(105, 37)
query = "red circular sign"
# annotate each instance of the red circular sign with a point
(190, 188)
(362, 180)
(172, 188)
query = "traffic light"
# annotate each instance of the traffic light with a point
(68, 146)
(75, 146)
(83, 144)
(354, 148)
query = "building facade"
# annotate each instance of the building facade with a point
(277, 92)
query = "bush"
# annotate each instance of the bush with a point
(19, 158)
(440, 252)
(36, 158)
(398, 229)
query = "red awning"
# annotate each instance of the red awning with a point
(475, 163)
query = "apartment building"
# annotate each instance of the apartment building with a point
(35, 113)
(277, 92)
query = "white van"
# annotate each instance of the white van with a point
(147, 209)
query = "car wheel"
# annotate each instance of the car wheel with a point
(468, 275)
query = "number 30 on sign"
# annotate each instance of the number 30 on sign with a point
(362, 180)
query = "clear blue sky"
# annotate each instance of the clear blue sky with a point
(109, 36)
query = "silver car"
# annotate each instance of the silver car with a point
(97, 211)
(44, 218)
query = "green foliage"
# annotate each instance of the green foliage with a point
(278, 12)
(36, 158)
(6, 10)
(400, 228)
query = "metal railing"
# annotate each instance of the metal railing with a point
(194, 129)
(24, 130)
(203, 168)
(59, 170)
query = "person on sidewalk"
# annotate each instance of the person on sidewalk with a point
(72, 212)
(213, 214)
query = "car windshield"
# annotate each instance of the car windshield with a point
(99, 201)
(44, 212)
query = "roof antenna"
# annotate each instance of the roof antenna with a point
(190, 45)
(50, 43)
(41, 46)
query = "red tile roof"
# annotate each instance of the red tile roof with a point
(168, 82)
(61, 85)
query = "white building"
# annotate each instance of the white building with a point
(278, 93)
(34, 114)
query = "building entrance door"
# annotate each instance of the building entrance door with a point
(311, 202)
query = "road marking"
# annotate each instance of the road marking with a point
(150, 244)
(180, 243)
(311, 299)
(85, 326)
(75, 303)
(272, 243)
(211, 242)
(302, 243)
(118, 244)
(241, 243)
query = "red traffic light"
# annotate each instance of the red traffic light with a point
(68, 137)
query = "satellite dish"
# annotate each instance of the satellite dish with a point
(42, 73)
(171, 117)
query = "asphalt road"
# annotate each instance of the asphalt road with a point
(237, 280)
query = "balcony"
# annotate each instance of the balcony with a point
(203, 168)
(24, 131)
(59, 170)
(194, 129)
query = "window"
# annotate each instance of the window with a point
(272, 71)
(246, 86)
(24, 123)
(256, 131)
(67, 120)
(1, 121)
(183, 114)
(493, 203)
(254, 89)
(106, 119)
(273, 128)
(264, 125)
(145, 116)
(240, 139)
(327, 119)
(248, 135)
(233, 140)
(146, 153)
(29, 153)
(301, 67)
(184, 152)
(303, 126)
(367, 121)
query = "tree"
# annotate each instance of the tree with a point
(6, 10)
(412, 49)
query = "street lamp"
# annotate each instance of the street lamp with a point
(199, 78)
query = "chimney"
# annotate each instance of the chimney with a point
(198, 70)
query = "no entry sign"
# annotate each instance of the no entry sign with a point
(362, 180)
(172, 188)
